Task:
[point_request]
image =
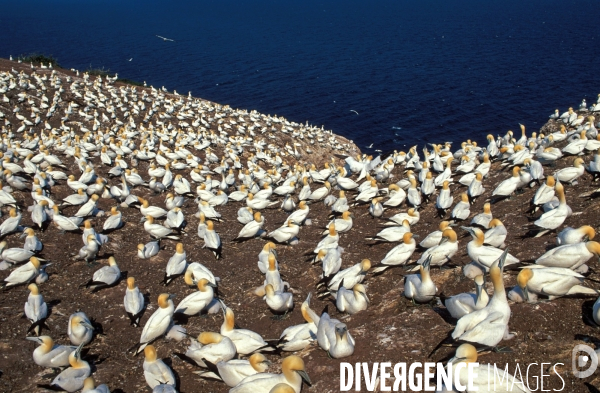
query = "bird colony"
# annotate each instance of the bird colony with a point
(236, 211)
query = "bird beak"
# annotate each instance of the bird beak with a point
(427, 263)
(210, 284)
(87, 325)
(143, 219)
(172, 296)
(502, 259)
(305, 377)
(468, 229)
(525, 293)
(34, 339)
(23, 235)
(478, 289)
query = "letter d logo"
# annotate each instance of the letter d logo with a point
(578, 361)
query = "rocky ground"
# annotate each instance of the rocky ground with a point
(391, 330)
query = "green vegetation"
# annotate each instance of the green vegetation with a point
(98, 72)
(38, 58)
(106, 73)
(129, 82)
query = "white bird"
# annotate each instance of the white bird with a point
(246, 341)
(286, 233)
(133, 302)
(292, 374)
(49, 355)
(23, 274)
(489, 325)
(575, 235)
(159, 322)
(434, 238)
(148, 250)
(298, 337)
(570, 256)
(36, 309)
(444, 251)
(555, 217)
(233, 371)
(211, 347)
(349, 276)
(105, 277)
(484, 255)
(80, 329)
(462, 209)
(156, 372)
(199, 300)
(496, 235)
(72, 378)
(552, 282)
(334, 337)
(544, 194)
(212, 240)
(89, 386)
(398, 255)
(483, 376)
(176, 265)
(419, 287)
(252, 228)
(158, 231)
(277, 300)
(571, 174)
(164, 39)
(465, 303)
(352, 300)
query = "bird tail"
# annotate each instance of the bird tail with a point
(581, 290)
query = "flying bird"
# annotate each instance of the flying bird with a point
(352, 110)
(164, 39)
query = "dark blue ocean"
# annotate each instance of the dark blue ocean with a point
(415, 71)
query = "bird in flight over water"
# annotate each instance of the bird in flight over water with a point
(165, 39)
(352, 110)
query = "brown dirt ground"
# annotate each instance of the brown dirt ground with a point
(391, 330)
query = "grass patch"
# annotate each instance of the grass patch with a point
(130, 82)
(98, 71)
(38, 58)
(106, 72)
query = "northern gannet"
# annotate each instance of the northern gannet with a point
(133, 302)
(575, 235)
(570, 256)
(105, 277)
(483, 375)
(49, 355)
(465, 303)
(334, 337)
(398, 255)
(292, 374)
(212, 347)
(433, 239)
(443, 252)
(246, 341)
(158, 324)
(352, 300)
(72, 378)
(419, 287)
(489, 325)
(36, 309)
(233, 371)
(552, 282)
